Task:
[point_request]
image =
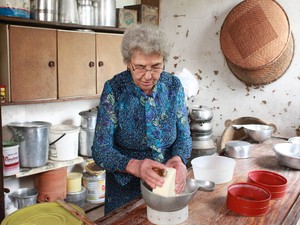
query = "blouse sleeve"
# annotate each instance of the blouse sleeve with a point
(182, 147)
(103, 151)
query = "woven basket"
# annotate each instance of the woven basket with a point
(267, 74)
(256, 39)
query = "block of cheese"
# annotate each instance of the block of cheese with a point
(168, 188)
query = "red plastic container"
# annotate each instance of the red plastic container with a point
(248, 199)
(271, 181)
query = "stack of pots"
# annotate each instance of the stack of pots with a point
(87, 130)
(201, 131)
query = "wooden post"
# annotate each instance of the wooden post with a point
(2, 209)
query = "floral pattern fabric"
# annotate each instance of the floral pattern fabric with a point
(131, 124)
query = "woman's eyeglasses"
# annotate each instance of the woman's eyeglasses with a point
(143, 70)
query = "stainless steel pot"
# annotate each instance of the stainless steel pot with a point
(200, 127)
(67, 11)
(33, 142)
(85, 12)
(200, 113)
(24, 197)
(88, 119)
(86, 137)
(201, 137)
(106, 13)
(44, 10)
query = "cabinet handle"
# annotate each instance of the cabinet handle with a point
(100, 63)
(91, 64)
(51, 64)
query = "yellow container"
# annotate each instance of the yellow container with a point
(74, 181)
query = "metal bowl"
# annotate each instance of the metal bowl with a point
(288, 154)
(177, 202)
(258, 132)
(77, 198)
(294, 140)
(238, 149)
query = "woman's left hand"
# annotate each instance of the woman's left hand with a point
(181, 173)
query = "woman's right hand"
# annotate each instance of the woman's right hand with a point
(144, 170)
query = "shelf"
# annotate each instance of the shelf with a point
(51, 165)
(56, 25)
(51, 100)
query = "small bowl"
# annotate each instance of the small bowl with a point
(259, 133)
(288, 154)
(271, 181)
(294, 140)
(238, 149)
(77, 198)
(248, 199)
(218, 169)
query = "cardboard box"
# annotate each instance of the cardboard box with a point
(126, 18)
(145, 13)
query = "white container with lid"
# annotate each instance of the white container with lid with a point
(11, 164)
(63, 142)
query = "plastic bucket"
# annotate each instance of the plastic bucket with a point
(63, 142)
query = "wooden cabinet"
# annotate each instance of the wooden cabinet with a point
(32, 59)
(76, 64)
(109, 58)
(51, 64)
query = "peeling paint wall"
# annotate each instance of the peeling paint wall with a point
(193, 28)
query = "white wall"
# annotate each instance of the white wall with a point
(193, 27)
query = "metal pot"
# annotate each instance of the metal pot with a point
(85, 12)
(24, 197)
(44, 10)
(200, 113)
(105, 12)
(88, 119)
(33, 142)
(86, 141)
(200, 127)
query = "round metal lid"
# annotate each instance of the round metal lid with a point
(47, 213)
(89, 113)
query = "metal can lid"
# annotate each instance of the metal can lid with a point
(9, 143)
(93, 169)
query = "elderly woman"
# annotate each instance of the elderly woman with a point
(142, 120)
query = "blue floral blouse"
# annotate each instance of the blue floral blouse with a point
(131, 124)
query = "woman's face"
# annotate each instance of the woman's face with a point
(146, 70)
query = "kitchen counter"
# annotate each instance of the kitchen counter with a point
(210, 207)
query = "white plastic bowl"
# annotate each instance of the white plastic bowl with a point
(218, 169)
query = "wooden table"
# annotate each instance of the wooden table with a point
(210, 207)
